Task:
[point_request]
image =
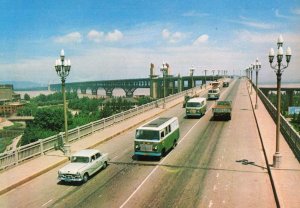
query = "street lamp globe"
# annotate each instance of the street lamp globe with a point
(288, 54)
(271, 55)
(279, 54)
(280, 41)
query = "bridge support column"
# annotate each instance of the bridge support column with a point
(95, 91)
(290, 95)
(109, 92)
(129, 91)
(173, 87)
(179, 83)
(153, 86)
(83, 91)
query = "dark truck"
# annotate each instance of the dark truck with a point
(222, 109)
(225, 84)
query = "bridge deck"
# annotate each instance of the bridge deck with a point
(286, 179)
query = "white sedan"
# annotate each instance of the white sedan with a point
(83, 164)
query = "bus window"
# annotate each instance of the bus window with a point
(169, 129)
(162, 134)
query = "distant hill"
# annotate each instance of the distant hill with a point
(25, 85)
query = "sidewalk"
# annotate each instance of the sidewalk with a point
(287, 177)
(22, 173)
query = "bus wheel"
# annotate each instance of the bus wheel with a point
(174, 144)
(163, 153)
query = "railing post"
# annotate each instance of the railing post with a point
(104, 123)
(41, 146)
(78, 132)
(123, 116)
(114, 119)
(17, 156)
(92, 127)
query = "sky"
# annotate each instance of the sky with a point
(114, 39)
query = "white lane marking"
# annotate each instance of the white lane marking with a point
(210, 203)
(183, 138)
(47, 202)
(220, 165)
(223, 201)
(217, 175)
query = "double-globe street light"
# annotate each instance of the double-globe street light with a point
(278, 69)
(250, 71)
(164, 70)
(256, 67)
(63, 67)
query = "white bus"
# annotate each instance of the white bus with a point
(156, 137)
(195, 107)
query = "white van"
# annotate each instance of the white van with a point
(213, 94)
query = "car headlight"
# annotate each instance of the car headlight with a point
(155, 148)
(137, 146)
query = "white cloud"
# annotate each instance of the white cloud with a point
(172, 37)
(74, 37)
(194, 14)
(296, 11)
(165, 33)
(255, 37)
(95, 36)
(114, 36)
(251, 23)
(277, 14)
(201, 39)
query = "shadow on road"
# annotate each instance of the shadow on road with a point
(247, 162)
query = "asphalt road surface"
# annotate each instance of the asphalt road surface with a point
(215, 164)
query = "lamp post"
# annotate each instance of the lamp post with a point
(257, 68)
(213, 71)
(164, 69)
(278, 69)
(192, 69)
(62, 67)
(251, 67)
(205, 70)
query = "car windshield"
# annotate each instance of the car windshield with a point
(76, 159)
(147, 134)
(193, 104)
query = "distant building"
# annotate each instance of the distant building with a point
(7, 93)
(10, 108)
(9, 100)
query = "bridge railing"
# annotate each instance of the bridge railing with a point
(41, 146)
(290, 134)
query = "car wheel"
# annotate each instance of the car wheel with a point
(104, 165)
(85, 178)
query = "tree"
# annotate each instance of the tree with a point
(26, 97)
(47, 122)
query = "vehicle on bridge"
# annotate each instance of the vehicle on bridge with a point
(222, 109)
(156, 137)
(213, 94)
(225, 84)
(83, 164)
(196, 107)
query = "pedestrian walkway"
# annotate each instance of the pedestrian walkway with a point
(287, 177)
(22, 173)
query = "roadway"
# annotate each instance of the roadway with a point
(208, 168)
